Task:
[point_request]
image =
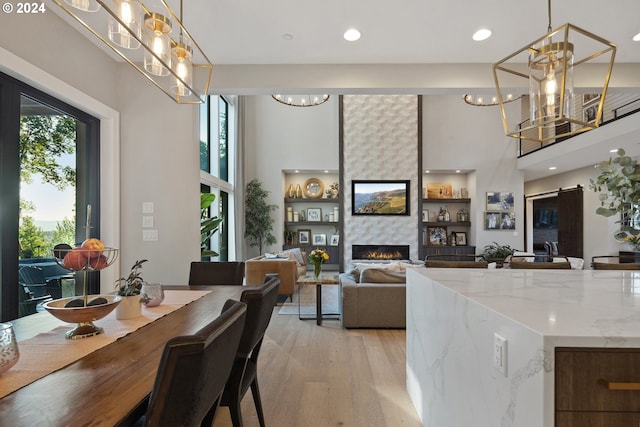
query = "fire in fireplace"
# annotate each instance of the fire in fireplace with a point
(380, 252)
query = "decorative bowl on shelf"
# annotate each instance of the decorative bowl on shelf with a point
(83, 316)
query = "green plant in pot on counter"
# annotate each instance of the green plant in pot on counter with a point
(132, 284)
(495, 252)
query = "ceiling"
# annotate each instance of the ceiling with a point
(404, 31)
(304, 32)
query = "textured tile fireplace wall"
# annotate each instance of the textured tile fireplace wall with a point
(380, 140)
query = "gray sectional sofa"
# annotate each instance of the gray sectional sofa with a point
(374, 295)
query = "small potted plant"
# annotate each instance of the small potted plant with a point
(495, 252)
(129, 288)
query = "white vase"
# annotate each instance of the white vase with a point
(129, 308)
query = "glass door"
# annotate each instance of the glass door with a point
(49, 163)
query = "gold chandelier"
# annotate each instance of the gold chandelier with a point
(301, 100)
(551, 64)
(142, 36)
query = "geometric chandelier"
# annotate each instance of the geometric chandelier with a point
(301, 100)
(152, 39)
(549, 67)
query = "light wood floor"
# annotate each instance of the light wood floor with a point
(313, 375)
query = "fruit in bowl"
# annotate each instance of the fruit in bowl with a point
(75, 259)
(91, 255)
(93, 247)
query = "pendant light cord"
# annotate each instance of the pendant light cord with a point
(549, 12)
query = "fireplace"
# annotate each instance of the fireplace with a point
(380, 252)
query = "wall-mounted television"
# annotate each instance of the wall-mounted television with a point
(382, 197)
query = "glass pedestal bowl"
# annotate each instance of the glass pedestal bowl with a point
(83, 316)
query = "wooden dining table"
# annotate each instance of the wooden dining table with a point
(108, 386)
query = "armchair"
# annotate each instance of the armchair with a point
(288, 269)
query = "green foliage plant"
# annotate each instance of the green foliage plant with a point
(258, 224)
(132, 284)
(619, 186)
(208, 225)
(495, 252)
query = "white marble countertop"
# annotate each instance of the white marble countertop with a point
(560, 305)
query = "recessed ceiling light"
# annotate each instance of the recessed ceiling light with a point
(458, 171)
(636, 38)
(482, 34)
(427, 171)
(326, 171)
(352, 35)
(615, 150)
(552, 168)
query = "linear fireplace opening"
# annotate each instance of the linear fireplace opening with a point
(380, 252)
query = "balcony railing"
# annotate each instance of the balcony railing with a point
(616, 106)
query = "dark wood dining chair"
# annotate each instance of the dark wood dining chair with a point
(193, 371)
(615, 262)
(522, 263)
(455, 261)
(216, 273)
(260, 303)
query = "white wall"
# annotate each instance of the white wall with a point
(461, 136)
(160, 163)
(280, 138)
(598, 230)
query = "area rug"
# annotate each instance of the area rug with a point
(308, 301)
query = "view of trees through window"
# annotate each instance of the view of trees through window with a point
(47, 179)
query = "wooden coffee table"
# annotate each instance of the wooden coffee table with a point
(324, 279)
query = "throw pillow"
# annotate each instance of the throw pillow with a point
(296, 253)
(378, 275)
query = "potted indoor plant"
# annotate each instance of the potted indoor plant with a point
(495, 252)
(619, 186)
(129, 288)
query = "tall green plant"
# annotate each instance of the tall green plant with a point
(208, 225)
(619, 186)
(258, 223)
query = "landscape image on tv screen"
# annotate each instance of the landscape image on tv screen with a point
(380, 197)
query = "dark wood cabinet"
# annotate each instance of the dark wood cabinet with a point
(597, 387)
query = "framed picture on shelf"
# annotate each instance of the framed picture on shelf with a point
(304, 237)
(425, 215)
(314, 214)
(460, 238)
(492, 220)
(319, 239)
(437, 236)
(439, 190)
(335, 240)
(500, 201)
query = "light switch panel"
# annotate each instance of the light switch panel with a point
(147, 221)
(150, 235)
(147, 207)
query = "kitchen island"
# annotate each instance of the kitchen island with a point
(581, 326)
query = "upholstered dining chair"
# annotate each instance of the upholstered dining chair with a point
(216, 273)
(193, 371)
(615, 262)
(260, 302)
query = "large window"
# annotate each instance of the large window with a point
(49, 173)
(217, 169)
